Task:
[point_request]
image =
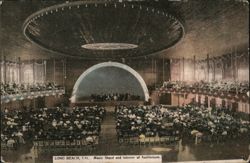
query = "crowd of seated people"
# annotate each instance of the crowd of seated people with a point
(210, 124)
(114, 97)
(143, 121)
(215, 87)
(13, 88)
(51, 124)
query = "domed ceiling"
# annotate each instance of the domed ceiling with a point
(214, 27)
(84, 29)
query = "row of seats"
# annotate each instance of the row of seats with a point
(189, 121)
(149, 140)
(143, 122)
(51, 124)
(90, 140)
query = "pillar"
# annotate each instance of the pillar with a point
(194, 68)
(45, 71)
(163, 70)
(179, 70)
(33, 69)
(19, 70)
(54, 71)
(4, 70)
(208, 101)
(183, 74)
(208, 67)
(214, 70)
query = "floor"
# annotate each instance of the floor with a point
(108, 145)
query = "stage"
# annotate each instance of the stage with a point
(107, 103)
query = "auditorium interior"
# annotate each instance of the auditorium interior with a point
(125, 77)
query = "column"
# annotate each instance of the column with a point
(183, 74)
(196, 98)
(232, 66)
(63, 71)
(214, 65)
(45, 71)
(33, 69)
(1, 69)
(236, 65)
(163, 70)
(225, 103)
(194, 68)
(4, 70)
(208, 101)
(247, 108)
(19, 70)
(152, 70)
(179, 70)
(178, 99)
(215, 102)
(208, 67)
(222, 69)
(54, 71)
(155, 73)
(229, 103)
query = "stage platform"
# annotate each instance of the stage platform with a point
(107, 103)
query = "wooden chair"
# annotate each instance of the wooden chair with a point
(142, 141)
(58, 143)
(40, 143)
(157, 140)
(46, 143)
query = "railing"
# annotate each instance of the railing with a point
(41, 144)
(149, 140)
(6, 97)
(217, 93)
(65, 143)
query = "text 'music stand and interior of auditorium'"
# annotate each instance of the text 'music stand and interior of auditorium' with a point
(124, 81)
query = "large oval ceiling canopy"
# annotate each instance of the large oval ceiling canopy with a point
(109, 46)
(87, 29)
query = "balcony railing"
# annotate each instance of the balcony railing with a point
(19, 95)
